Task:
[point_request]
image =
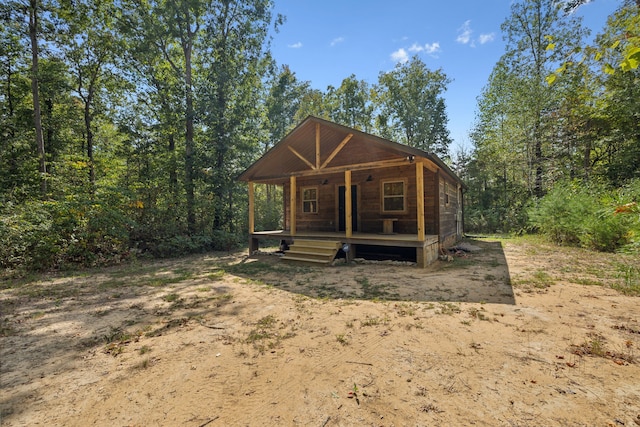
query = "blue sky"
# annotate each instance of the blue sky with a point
(324, 42)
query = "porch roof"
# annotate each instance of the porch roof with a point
(317, 146)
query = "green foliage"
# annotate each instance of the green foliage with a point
(589, 216)
(56, 234)
(412, 106)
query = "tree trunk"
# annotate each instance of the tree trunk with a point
(173, 175)
(37, 114)
(189, 146)
(89, 136)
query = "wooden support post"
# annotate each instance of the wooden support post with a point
(251, 208)
(347, 204)
(292, 206)
(420, 199)
(253, 245)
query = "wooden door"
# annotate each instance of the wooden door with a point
(342, 210)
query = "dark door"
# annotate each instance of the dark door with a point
(342, 210)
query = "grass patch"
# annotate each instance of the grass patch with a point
(374, 321)
(6, 330)
(459, 263)
(326, 290)
(629, 279)
(171, 297)
(266, 335)
(159, 282)
(479, 314)
(449, 308)
(117, 339)
(587, 281)
(216, 275)
(260, 267)
(342, 339)
(380, 291)
(539, 279)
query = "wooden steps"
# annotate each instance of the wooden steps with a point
(312, 251)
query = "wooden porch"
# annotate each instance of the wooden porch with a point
(426, 249)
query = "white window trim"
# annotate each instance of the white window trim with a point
(404, 195)
(302, 191)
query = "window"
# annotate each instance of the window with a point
(393, 196)
(310, 200)
(446, 193)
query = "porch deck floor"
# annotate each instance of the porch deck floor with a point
(407, 240)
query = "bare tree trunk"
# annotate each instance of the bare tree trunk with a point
(87, 124)
(173, 175)
(189, 146)
(37, 114)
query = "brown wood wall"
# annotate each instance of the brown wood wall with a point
(369, 201)
(449, 210)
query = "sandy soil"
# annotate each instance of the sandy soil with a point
(517, 334)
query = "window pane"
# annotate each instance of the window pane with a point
(309, 194)
(394, 188)
(309, 207)
(394, 203)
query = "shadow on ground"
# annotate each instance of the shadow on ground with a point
(481, 276)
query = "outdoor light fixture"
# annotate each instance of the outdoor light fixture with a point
(369, 178)
(411, 158)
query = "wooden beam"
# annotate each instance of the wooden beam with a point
(337, 150)
(251, 208)
(338, 169)
(292, 206)
(420, 198)
(431, 166)
(317, 145)
(342, 169)
(347, 204)
(301, 157)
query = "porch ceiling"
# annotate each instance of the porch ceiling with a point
(339, 146)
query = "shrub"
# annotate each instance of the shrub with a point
(560, 215)
(589, 216)
(56, 234)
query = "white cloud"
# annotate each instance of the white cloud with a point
(427, 48)
(337, 40)
(486, 38)
(416, 48)
(297, 45)
(400, 55)
(464, 33)
(432, 48)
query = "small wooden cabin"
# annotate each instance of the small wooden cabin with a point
(348, 189)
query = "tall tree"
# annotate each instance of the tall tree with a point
(412, 109)
(313, 103)
(351, 104)
(527, 31)
(233, 62)
(34, 13)
(90, 46)
(283, 100)
(620, 102)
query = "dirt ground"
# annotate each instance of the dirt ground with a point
(517, 334)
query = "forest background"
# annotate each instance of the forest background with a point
(123, 124)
